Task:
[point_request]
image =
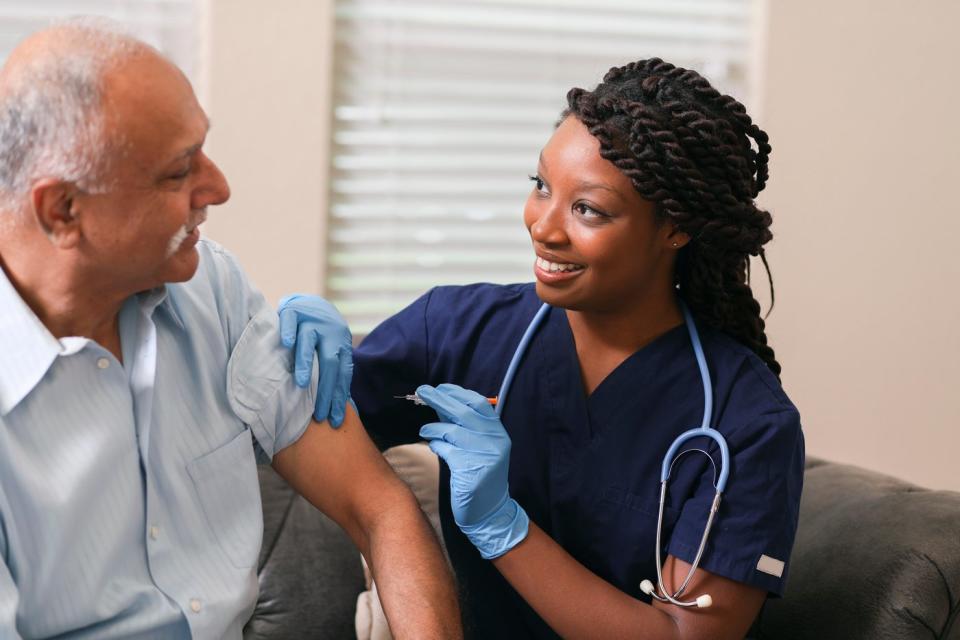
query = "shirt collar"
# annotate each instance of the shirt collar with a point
(27, 347)
(150, 299)
(160, 298)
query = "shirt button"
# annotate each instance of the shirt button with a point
(103, 363)
(154, 532)
(195, 605)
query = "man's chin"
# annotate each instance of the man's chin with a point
(182, 265)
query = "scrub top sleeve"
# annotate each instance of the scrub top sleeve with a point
(391, 361)
(754, 530)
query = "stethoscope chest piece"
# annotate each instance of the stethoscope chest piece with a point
(660, 592)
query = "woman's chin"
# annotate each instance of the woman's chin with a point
(556, 296)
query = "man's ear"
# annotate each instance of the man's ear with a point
(52, 205)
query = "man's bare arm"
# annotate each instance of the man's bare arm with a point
(341, 473)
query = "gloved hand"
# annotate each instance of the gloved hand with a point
(476, 447)
(315, 325)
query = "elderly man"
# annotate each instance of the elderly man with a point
(141, 375)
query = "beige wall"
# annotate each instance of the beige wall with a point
(266, 85)
(862, 104)
(861, 100)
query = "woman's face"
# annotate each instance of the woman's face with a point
(598, 246)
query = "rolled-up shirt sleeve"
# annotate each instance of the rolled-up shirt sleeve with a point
(261, 389)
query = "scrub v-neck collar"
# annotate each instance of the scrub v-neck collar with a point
(644, 376)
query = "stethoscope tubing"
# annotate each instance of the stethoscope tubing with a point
(518, 355)
(704, 430)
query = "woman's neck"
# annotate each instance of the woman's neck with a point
(605, 339)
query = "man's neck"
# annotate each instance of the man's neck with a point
(66, 302)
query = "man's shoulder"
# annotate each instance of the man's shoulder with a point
(216, 262)
(218, 275)
(219, 292)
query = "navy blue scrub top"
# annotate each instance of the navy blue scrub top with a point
(587, 469)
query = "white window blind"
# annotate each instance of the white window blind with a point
(169, 25)
(441, 108)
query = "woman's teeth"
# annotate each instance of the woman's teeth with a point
(557, 266)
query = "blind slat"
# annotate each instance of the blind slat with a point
(169, 25)
(527, 20)
(441, 109)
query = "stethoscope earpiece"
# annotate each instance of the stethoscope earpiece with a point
(702, 602)
(720, 481)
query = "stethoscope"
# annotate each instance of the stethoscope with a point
(669, 459)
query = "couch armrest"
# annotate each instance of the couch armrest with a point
(309, 570)
(875, 558)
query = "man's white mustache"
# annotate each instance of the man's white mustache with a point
(178, 238)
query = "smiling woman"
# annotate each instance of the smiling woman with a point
(642, 204)
(439, 110)
(585, 214)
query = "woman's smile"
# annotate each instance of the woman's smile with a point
(550, 272)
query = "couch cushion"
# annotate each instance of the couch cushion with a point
(875, 558)
(309, 570)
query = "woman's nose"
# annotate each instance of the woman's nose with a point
(547, 225)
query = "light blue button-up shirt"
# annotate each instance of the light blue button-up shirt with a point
(129, 501)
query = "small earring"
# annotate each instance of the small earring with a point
(675, 244)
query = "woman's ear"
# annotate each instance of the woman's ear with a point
(675, 238)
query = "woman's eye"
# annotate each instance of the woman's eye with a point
(589, 212)
(539, 185)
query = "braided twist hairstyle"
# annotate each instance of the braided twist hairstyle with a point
(687, 148)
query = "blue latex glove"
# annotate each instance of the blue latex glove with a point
(310, 324)
(472, 441)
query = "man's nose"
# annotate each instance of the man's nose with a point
(214, 189)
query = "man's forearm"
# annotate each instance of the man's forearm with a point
(414, 583)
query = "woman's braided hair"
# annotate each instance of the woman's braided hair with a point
(687, 148)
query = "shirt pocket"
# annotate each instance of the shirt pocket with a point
(226, 481)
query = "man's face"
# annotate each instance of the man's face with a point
(140, 229)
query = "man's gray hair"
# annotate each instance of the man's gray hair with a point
(51, 120)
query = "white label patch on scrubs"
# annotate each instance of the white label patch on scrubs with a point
(770, 566)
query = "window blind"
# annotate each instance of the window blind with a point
(441, 108)
(169, 25)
